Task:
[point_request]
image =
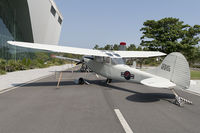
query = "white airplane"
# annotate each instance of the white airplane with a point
(173, 72)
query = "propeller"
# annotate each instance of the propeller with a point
(82, 60)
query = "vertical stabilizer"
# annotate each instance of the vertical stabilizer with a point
(175, 68)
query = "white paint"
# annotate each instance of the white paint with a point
(123, 121)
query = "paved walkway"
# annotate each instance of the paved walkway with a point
(195, 86)
(19, 77)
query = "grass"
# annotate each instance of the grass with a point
(195, 74)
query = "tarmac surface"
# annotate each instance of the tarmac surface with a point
(40, 107)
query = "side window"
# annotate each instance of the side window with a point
(98, 59)
(113, 62)
(107, 60)
(60, 20)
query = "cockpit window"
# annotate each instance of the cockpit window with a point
(116, 61)
(109, 54)
(117, 55)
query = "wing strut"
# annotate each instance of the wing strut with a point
(60, 77)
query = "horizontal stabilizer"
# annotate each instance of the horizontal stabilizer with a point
(158, 82)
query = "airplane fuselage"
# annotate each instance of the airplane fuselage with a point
(120, 72)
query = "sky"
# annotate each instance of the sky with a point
(90, 22)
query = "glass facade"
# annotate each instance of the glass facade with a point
(9, 30)
(5, 35)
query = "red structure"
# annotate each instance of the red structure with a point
(122, 46)
(123, 43)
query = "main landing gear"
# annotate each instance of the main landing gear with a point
(81, 81)
(108, 81)
(180, 100)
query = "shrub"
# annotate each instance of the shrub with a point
(2, 64)
(2, 72)
(42, 60)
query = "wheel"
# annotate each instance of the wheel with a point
(81, 81)
(108, 81)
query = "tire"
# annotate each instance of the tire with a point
(81, 81)
(108, 81)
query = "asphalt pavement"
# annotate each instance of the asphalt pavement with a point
(40, 107)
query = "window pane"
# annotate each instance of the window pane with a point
(60, 20)
(53, 11)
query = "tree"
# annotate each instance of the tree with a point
(131, 47)
(139, 48)
(96, 47)
(170, 35)
(108, 47)
(116, 47)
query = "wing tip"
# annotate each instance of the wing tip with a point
(10, 42)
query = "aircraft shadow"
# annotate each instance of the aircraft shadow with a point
(54, 83)
(68, 71)
(144, 97)
(135, 97)
(150, 97)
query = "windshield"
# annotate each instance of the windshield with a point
(116, 61)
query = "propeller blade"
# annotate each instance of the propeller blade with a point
(79, 63)
(88, 57)
(97, 75)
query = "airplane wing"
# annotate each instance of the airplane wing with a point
(59, 49)
(90, 52)
(158, 82)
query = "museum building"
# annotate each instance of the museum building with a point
(37, 21)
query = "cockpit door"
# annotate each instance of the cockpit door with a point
(107, 64)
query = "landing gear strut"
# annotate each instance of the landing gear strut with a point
(108, 81)
(180, 100)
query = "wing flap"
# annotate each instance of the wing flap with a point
(158, 82)
(139, 54)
